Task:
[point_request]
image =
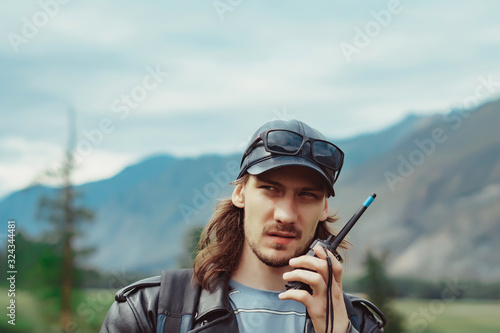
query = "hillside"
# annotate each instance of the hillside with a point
(437, 179)
(439, 190)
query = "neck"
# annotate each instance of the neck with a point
(254, 273)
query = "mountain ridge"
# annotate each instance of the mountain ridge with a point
(439, 203)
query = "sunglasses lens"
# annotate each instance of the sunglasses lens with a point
(327, 154)
(284, 142)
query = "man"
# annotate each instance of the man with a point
(254, 244)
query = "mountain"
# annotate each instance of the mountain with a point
(439, 189)
(366, 146)
(437, 180)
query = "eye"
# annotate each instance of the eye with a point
(309, 195)
(268, 187)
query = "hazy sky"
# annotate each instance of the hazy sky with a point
(193, 77)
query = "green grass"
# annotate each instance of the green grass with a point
(458, 316)
(37, 316)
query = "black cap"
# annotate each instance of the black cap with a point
(259, 160)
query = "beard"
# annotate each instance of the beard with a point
(280, 261)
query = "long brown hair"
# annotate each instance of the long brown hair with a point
(221, 241)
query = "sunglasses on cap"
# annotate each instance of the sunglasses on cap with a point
(286, 142)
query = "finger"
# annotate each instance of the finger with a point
(298, 295)
(313, 279)
(336, 265)
(317, 264)
(308, 262)
(320, 251)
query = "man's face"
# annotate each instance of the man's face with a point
(282, 210)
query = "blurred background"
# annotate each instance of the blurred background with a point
(122, 123)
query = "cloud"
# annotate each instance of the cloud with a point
(26, 162)
(22, 162)
(227, 76)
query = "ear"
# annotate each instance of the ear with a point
(238, 197)
(326, 210)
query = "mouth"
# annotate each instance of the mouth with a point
(281, 237)
(282, 234)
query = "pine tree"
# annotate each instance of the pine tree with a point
(64, 214)
(380, 290)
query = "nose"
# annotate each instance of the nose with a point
(285, 210)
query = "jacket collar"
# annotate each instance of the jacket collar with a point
(214, 301)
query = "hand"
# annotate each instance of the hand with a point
(318, 281)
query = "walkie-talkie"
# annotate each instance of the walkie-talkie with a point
(332, 242)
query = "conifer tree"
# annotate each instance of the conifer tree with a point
(65, 215)
(380, 290)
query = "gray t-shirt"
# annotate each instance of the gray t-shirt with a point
(262, 311)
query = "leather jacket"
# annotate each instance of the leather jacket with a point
(140, 307)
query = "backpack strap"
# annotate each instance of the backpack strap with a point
(178, 301)
(352, 302)
(351, 314)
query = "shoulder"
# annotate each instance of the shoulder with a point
(149, 286)
(136, 306)
(134, 309)
(364, 314)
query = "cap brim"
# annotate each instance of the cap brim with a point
(283, 161)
